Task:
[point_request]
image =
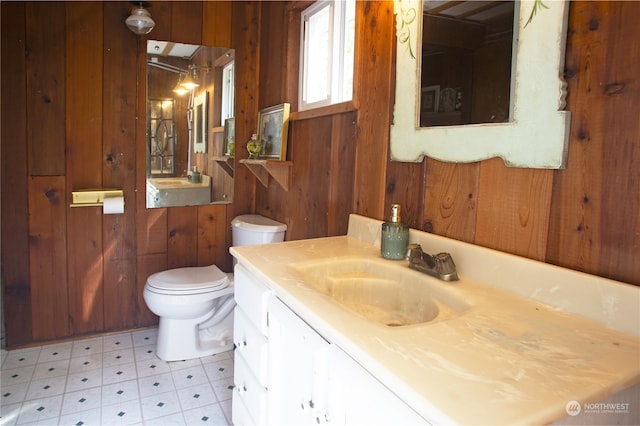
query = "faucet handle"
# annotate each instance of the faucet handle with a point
(414, 251)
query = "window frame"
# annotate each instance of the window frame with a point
(337, 75)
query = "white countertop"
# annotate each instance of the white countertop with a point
(508, 359)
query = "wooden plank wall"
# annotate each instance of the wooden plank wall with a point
(73, 114)
(585, 217)
(90, 269)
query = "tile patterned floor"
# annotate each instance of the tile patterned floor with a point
(113, 380)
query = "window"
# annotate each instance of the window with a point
(326, 53)
(228, 92)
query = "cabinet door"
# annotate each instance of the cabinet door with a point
(358, 398)
(251, 345)
(252, 296)
(297, 370)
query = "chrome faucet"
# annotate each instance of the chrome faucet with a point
(439, 265)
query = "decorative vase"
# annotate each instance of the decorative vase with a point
(254, 146)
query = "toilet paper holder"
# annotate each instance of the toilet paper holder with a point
(93, 197)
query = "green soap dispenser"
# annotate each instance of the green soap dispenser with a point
(395, 236)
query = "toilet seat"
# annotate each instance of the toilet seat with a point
(191, 280)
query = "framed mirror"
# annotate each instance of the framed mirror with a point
(536, 133)
(188, 98)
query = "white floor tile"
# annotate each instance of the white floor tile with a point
(113, 380)
(85, 363)
(21, 358)
(82, 400)
(173, 420)
(223, 388)
(117, 357)
(120, 392)
(152, 367)
(126, 413)
(115, 342)
(145, 337)
(40, 410)
(84, 380)
(118, 373)
(189, 377)
(46, 388)
(83, 418)
(55, 352)
(219, 370)
(143, 353)
(153, 385)
(51, 369)
(12, 394)
(160, 405)
(87, 347)
(10, 413)
(196, 396)
(208, 415)
(17, 375)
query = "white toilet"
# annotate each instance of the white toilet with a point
(195, 304)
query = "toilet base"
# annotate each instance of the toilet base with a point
(183, 339)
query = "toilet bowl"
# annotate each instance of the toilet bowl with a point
(195, 304)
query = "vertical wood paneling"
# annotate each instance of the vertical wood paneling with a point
(16, 296)
(450, 203)
(186, 22)
(84, 119)
(513, 209)
(145, 266)
(119, 163)
(84, 79)
(212, 223)
(341, 173)
(595, 212)
(48, 249)
(245, 38)
(373, 59)
(182, 223)
(85, 269)
(216, 23)
(46, 87)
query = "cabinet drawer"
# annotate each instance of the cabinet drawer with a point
(252, 296)
(251, 345)
(248, 393)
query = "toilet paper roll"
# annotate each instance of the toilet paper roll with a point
(113, 205)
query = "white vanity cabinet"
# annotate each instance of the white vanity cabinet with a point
(288, 374)
(249, 403)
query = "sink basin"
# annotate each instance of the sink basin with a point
(383, 291)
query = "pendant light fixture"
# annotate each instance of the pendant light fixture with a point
(140, 21)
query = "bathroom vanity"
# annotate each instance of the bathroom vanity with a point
(329, 332)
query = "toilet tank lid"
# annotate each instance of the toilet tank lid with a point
(255, 222)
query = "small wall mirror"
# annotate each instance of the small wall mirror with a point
(189, 99)
(476, 80)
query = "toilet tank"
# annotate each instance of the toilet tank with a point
(250, 229)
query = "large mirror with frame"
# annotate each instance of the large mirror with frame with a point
(530, 130)
(189, 98)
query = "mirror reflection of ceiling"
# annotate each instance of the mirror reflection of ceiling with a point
(466, 62)
(168, 48)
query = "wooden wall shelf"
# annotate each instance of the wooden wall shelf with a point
(226, 162)
(278, 170)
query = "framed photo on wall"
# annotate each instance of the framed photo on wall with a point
(273, 129)
(430, 99)
(200, 115)
(228, 146)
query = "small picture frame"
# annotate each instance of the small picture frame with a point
(430, 99)
(201, 113)
(229, 137)
(273, 129)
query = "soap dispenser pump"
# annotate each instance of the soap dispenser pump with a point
(395, 236)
